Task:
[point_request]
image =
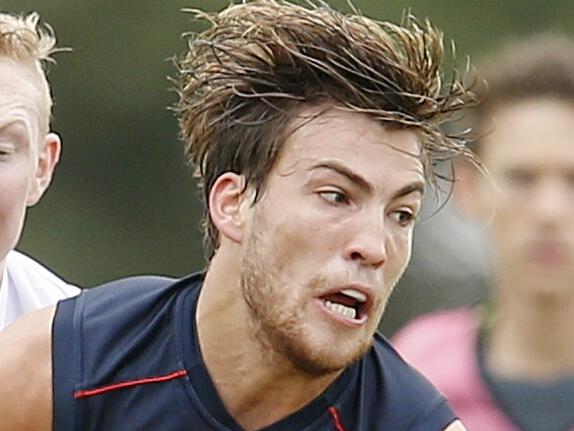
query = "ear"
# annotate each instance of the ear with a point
(226, 200)
(48, 157)
(471, 198)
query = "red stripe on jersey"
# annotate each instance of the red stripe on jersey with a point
(129, 384)
(336, 419)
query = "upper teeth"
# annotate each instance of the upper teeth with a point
(355, 294)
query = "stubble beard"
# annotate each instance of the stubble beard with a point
(277, 322)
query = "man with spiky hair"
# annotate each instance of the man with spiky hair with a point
(28, 155)
(313, 134)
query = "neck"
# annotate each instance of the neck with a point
(530, 339)
(258, 385)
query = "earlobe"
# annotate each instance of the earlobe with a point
(48, 158)
(225, 205)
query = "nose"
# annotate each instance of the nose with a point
(367, 244)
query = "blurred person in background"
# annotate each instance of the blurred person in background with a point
(28, 156)
(313, 134)
(447, 273)
(508, 363)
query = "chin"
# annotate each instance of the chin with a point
(325, 356)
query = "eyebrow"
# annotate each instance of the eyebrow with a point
(415, 187)
(355, 178)
(363, 184)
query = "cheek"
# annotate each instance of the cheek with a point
(398, 247)
(14, 187)
(301, 245)
(399, 241)
(507, 220)
(506, 239)
(13, 193)
(402, 249)
(294, 240)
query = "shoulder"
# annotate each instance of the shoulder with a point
(106, 324)
(109, 307)
(26, 373)
(140, 282)
(121, 335)
(126, 294)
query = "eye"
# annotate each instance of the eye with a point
(519, 177)
(5, 151)
(404, 218)
(334, 196)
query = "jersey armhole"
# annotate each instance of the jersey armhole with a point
(63, 365)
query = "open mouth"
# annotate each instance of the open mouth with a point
(347, 303)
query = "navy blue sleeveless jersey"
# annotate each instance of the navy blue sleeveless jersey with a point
(126, 357)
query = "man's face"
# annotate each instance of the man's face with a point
(330, 237)
(530, 155)
(18, 149)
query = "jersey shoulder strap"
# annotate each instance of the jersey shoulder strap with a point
(97, 339)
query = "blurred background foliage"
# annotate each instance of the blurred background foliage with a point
(123, 201)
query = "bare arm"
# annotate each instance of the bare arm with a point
(455, 426)
(26, 373)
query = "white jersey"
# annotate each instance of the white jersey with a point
(27, 286)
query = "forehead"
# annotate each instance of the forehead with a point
(362, 144)
(20, 91)
(535, 132)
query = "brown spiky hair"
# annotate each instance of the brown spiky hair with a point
(245, 78)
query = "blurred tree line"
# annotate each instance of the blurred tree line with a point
(123, 201)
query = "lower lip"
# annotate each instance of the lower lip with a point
(352, 323)
(548, 255)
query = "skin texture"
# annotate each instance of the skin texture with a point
(352, 199)
(530, 216)
(26, 373)
(27, 160)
